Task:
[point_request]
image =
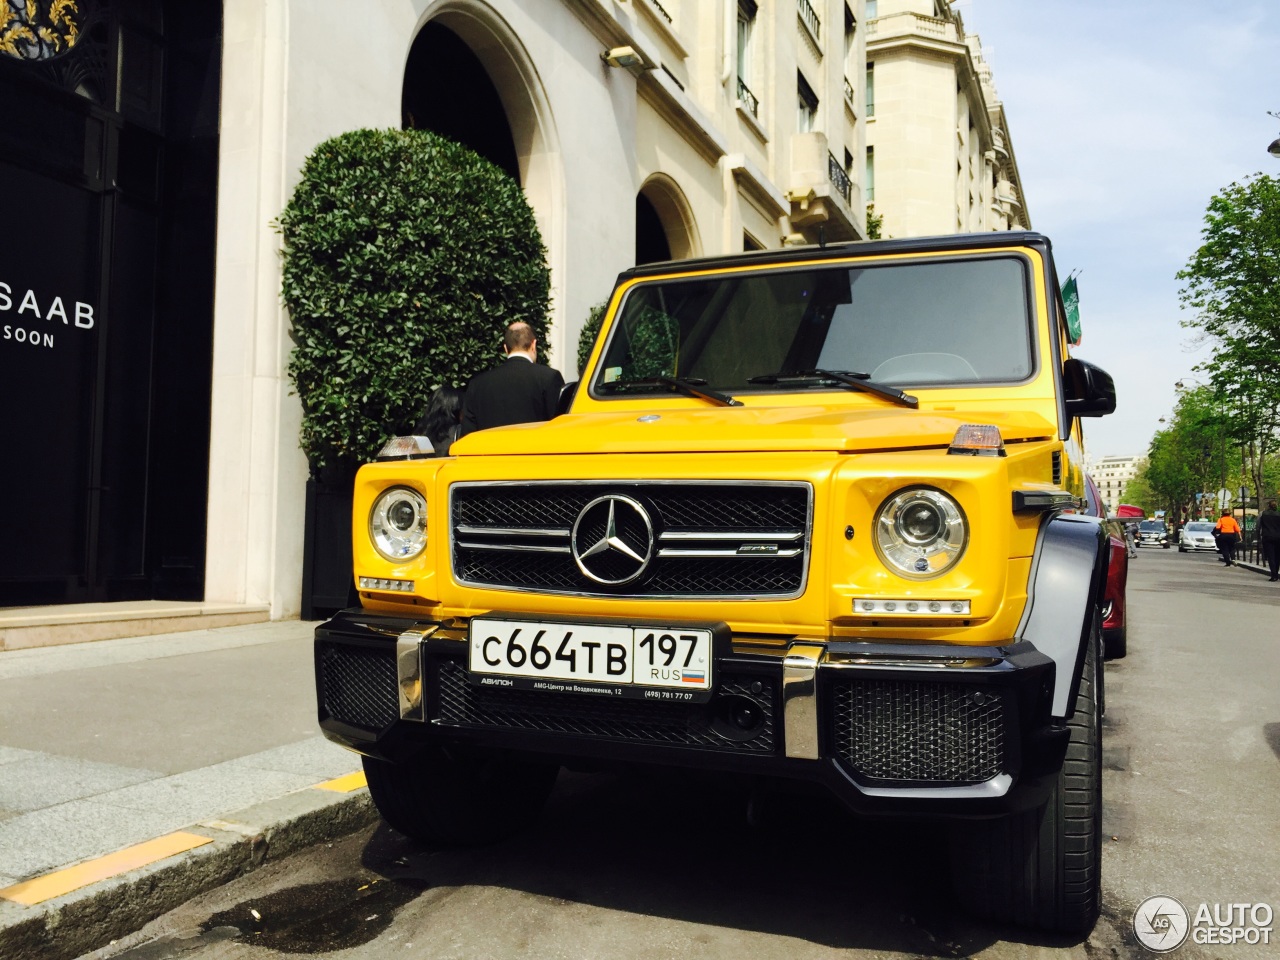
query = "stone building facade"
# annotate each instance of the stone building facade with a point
(167, 138)
(939, 156)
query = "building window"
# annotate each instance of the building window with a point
(746, 27)
(850, 28)
(871, 12)
(869, 181)
(807, 105)
(871, 89)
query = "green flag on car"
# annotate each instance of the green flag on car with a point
(1071, 301)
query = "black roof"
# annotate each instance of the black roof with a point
(946, 243)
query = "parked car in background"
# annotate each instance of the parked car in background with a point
(1153, 533)
(1196, 535)
(1114, 632)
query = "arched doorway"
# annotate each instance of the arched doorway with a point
(508, 121)
(651, 235)
(109, 154)
(665, 228)
(471, 111)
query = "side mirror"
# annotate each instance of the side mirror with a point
(1090, 391)
(567, 393)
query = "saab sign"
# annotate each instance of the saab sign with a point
(28, 320)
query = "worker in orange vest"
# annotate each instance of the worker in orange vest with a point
(1226, 534)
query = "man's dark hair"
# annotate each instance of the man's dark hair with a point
(519, 336)
(1271, 504)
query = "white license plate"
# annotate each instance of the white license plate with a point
(674, 658)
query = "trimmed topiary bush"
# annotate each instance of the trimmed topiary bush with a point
(405, 257)
(587, 335)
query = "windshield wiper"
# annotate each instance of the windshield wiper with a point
(850, 378)
(689, 386)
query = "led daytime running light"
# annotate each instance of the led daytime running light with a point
(910, 607)
(379, 583)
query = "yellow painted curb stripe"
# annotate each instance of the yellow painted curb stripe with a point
(352, 781)
(31, 892)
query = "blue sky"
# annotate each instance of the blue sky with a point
(1126, 116)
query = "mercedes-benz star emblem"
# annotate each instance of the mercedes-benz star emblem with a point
(612, 540)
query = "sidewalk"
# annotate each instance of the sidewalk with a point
(135, 773)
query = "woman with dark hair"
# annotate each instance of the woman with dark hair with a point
(442, 420)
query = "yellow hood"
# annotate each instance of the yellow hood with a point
(732, 430)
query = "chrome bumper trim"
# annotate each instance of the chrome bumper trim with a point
(409, 672)
(997, 786)
(800, 699)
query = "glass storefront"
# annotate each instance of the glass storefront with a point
(108, 163)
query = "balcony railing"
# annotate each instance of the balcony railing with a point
(839, 179)
(810, 18)
(749, 98)
(662, 10)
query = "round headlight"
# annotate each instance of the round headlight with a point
(398, 523)
(921, 532)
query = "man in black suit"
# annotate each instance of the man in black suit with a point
(519, 390)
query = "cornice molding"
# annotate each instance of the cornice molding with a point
(684, 116)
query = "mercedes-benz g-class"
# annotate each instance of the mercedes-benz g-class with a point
(810, 516)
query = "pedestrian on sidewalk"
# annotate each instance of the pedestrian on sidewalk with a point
(1226, 534)
(1269, 537)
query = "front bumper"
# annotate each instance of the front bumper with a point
(897, 729)
(1198, 545)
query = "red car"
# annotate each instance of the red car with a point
(1114, 636)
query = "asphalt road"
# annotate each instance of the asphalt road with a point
(632, 867)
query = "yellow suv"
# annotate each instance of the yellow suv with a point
(810, 515)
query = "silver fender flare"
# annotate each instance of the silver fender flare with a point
(1066, 585)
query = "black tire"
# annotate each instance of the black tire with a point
(1115, 643)
(459, 797)
(1042, 867)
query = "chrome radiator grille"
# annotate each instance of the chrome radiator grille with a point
(919, 732)
(708, 539)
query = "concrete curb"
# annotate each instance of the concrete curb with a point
(93, 916)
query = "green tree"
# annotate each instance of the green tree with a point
(405, 257)
(875, 222)
(1231, 284)
(1169, 474)
(1138, 491)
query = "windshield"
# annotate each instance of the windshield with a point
(960, 321)
(1151, 526)
(1198, 527)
